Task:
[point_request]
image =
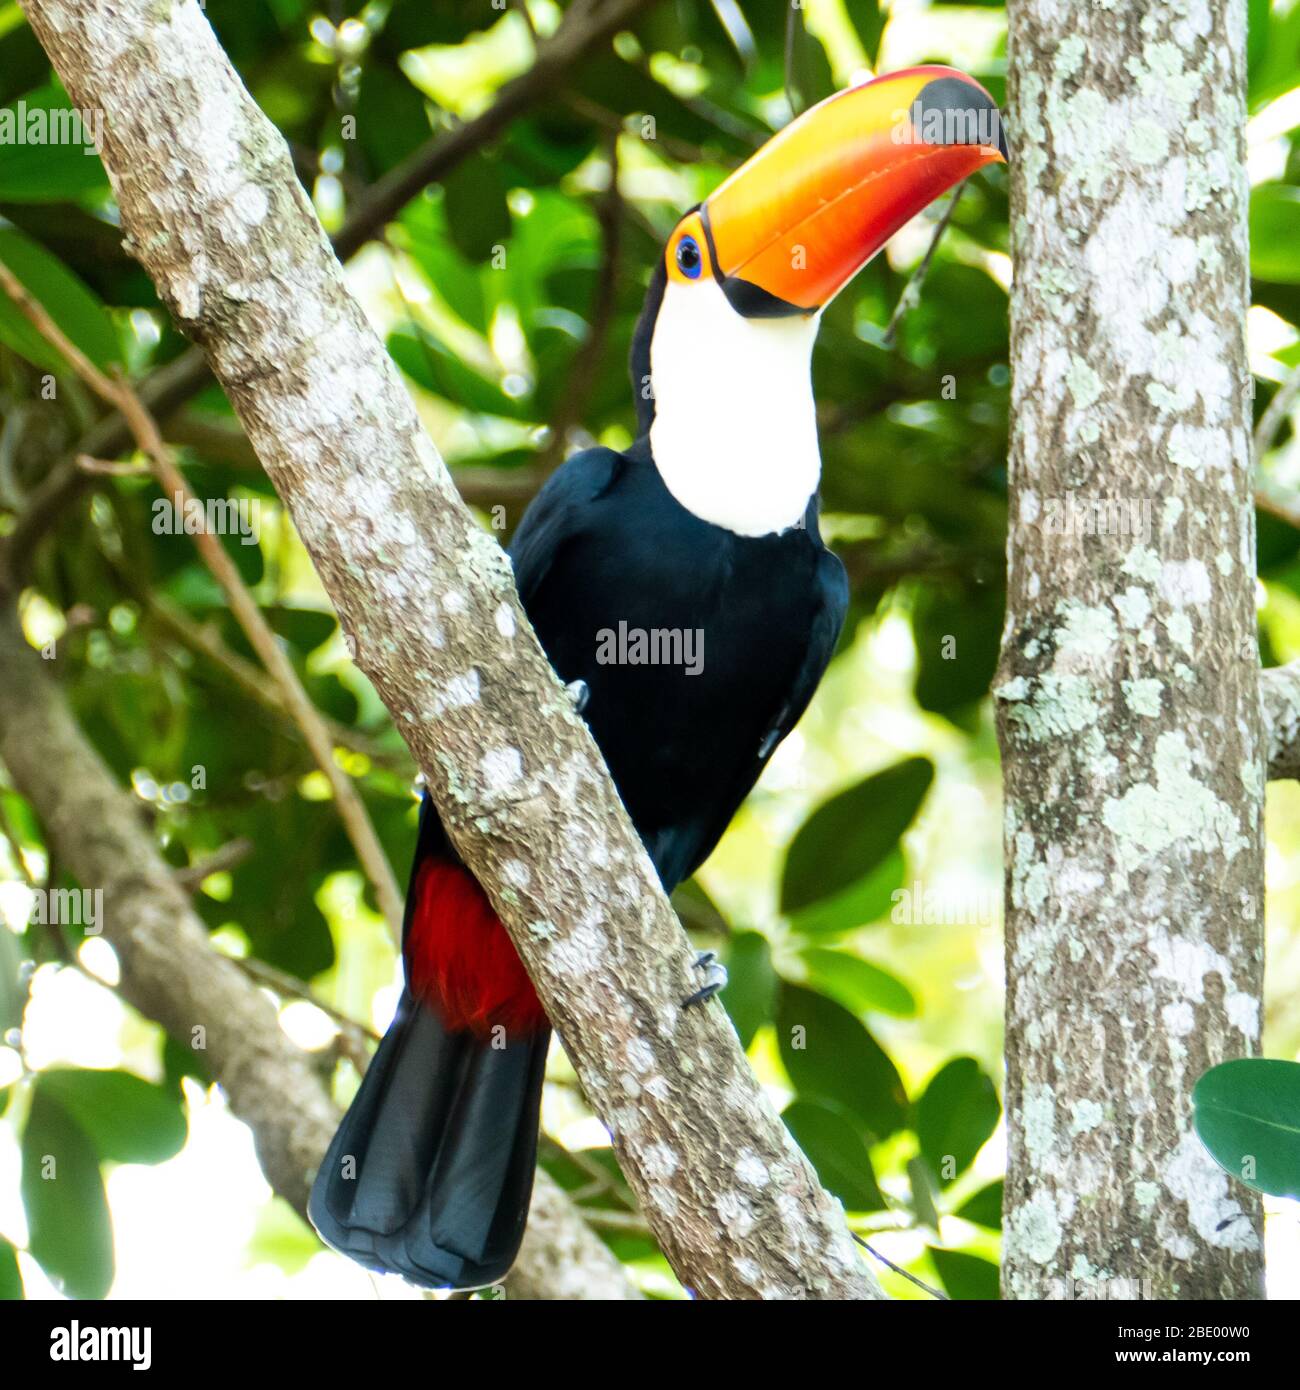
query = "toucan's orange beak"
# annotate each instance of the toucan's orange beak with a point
(789, 229)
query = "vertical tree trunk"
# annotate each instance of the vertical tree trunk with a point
(1128, 699)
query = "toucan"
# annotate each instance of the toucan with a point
(681, 590)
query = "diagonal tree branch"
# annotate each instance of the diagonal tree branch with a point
(222, 225)
(171, 974)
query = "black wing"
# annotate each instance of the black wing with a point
(679, 852)
(558, 513)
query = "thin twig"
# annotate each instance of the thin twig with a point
(293, 988)
(912, 290)
(109, 469)
(1270, 422)
(205, 640)
(1270, 496)
(898, 1269)
(628, 1221)
(601, 1180)
(144, 428)
(678, 150)
(354, 1039)
(230, 854)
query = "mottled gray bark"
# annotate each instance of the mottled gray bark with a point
(1128, 699)
(1281, 687)
(213, 211)
(171, 974)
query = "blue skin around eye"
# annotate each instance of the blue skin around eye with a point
(691, 271)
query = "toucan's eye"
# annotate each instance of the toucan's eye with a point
(689, 261)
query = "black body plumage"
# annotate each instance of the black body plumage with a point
(442, 1135)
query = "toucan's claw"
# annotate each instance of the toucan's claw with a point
(579, 693)
(715, 978)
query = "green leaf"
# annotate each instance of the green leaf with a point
(985, 1207)
(870, 899)
(961, 317)
(70, 1233)
(955, 1116)
(697, 910)
(831, 1057)
(181, 1060)
(857, 984)
(1272, 72)
(846, 837)
(69, 303)
(1248, 1116)
(416, 23)
(750, 995)
(966, 1276)
(475, 201)
(431, 365)
(958, 633)
(49, 170)
(13, 988)
(868, 19)
(1257, 25)
(612, 81)
(834, 1147)
(11, 1277)
(1275, 233)
(423, 229)
(543, 148)
(921, 1182)
(391, 119)
(811, 69)
(129, 1120)
(304, 628)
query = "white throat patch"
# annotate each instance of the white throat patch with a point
(735, 429)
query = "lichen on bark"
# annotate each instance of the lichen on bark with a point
(1128, 696)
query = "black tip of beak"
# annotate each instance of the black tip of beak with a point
(952, 112)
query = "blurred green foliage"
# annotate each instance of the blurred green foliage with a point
(507, 294)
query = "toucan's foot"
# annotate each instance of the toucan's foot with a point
(715, 978)
(579, 693)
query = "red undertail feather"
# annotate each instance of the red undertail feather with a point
(460, 959)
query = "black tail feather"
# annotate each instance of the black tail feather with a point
(431, 1171)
